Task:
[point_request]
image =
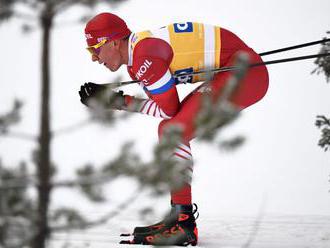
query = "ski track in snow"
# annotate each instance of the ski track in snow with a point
(273, 231)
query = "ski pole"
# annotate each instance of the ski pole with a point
(294, 47)
(229, 68)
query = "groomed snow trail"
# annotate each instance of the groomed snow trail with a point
(273, 231)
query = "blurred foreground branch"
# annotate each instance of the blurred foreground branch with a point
(323, 63)
(71, 128)
(232, 144)
(324, 124)
(78, 222)
(215, 115)
(11, 118)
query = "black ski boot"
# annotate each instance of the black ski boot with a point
(169, 219)
(179, 228)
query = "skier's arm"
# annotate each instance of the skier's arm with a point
(144, 106)
(91, 91)
(152, 58)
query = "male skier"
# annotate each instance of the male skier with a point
(153, 57)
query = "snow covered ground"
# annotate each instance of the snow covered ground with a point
(273, 231)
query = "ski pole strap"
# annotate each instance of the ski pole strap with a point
(294, 47)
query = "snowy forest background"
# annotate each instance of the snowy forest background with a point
(278, 171)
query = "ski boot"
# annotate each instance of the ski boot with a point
(179, 228)
(168, 220)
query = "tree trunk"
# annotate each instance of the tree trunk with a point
(44, 153)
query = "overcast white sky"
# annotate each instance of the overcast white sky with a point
(281, 159)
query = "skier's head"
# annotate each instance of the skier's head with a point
(106, 36)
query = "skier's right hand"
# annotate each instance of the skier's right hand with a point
(91, 94)
(89, 91)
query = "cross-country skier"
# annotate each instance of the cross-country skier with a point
(153, 57)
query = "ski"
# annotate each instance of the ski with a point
(126, 242)
(125, 234)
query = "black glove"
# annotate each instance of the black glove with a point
(98, 93)
(89, 91)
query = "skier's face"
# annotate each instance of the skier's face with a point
(109, 55)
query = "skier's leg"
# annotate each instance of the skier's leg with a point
(251, 89)
(182, 153)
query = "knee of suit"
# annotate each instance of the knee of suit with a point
(163, 125)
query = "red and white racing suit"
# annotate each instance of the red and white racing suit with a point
(155, 56)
